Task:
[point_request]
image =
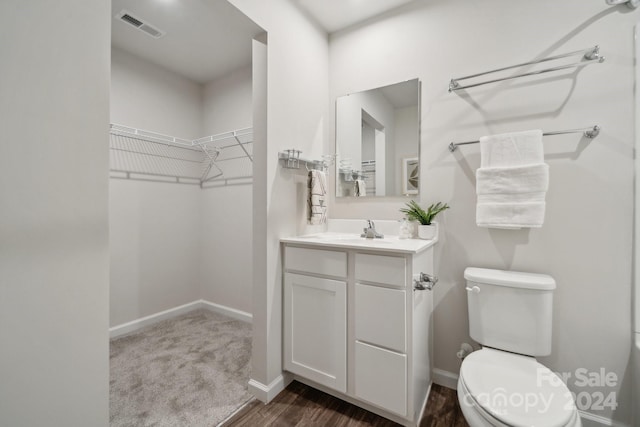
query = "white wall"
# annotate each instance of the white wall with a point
(226, 257)
(155, 247)
(155, 227)
(297, 117)
(54, 109)
(147, 96)
(585, 243)
(226, 103)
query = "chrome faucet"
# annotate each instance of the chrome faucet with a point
(370, 231)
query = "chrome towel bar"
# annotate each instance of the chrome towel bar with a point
(591, 132)
(588, 56)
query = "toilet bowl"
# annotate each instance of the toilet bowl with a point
(497, 388)
(503, 384)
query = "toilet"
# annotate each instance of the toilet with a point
(502, 384)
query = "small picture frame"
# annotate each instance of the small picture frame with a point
(410, 175)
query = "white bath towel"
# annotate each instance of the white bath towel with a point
(510, 215)
(511, 149)
(512, 181)
(317, 190)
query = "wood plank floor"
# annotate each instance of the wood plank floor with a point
(302, 406)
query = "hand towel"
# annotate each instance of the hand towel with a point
(512, 181)
(361, 188)
(317, 190)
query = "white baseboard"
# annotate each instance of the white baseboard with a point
(591, 420)
(445, 378)
(228, 311)
(266, 393)
(134, 325)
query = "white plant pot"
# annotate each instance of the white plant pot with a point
(428, 232)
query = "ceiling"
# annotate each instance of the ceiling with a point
(336, 15)
(204, 40)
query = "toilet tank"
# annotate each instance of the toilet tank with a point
(510, 310)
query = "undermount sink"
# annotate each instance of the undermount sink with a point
(345, 238)
(329, 236)
(366, 241)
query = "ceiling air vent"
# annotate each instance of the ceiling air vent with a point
(141, 25)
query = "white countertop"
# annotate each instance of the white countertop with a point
(354, 241)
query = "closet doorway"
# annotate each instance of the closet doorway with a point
(180, 210)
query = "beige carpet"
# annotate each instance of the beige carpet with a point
(188, 371)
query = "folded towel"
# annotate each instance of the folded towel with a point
(512, 181)
(317, 190)
(511, 149)
(510, 215)
(515, 180)
(361, 188)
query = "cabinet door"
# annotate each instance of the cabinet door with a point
(315, 328)
(381, 377)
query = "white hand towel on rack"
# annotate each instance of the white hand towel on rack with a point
(512, 181)
(361, 188)
(317, 190)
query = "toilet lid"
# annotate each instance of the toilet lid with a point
(517, 390)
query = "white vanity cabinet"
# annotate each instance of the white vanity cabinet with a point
(355, 327)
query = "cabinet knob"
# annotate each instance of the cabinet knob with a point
(424, 281)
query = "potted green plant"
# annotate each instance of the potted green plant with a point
(427, 228)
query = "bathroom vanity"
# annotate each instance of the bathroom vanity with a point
(356, 325)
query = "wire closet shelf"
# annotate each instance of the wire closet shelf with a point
(217, 160)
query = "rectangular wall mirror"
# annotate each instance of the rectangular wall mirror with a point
(378, 141)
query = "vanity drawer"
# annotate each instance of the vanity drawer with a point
(381, 377)
(380, 316)
(383, 269)
(316, 261)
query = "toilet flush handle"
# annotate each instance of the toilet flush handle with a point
(475, 289)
